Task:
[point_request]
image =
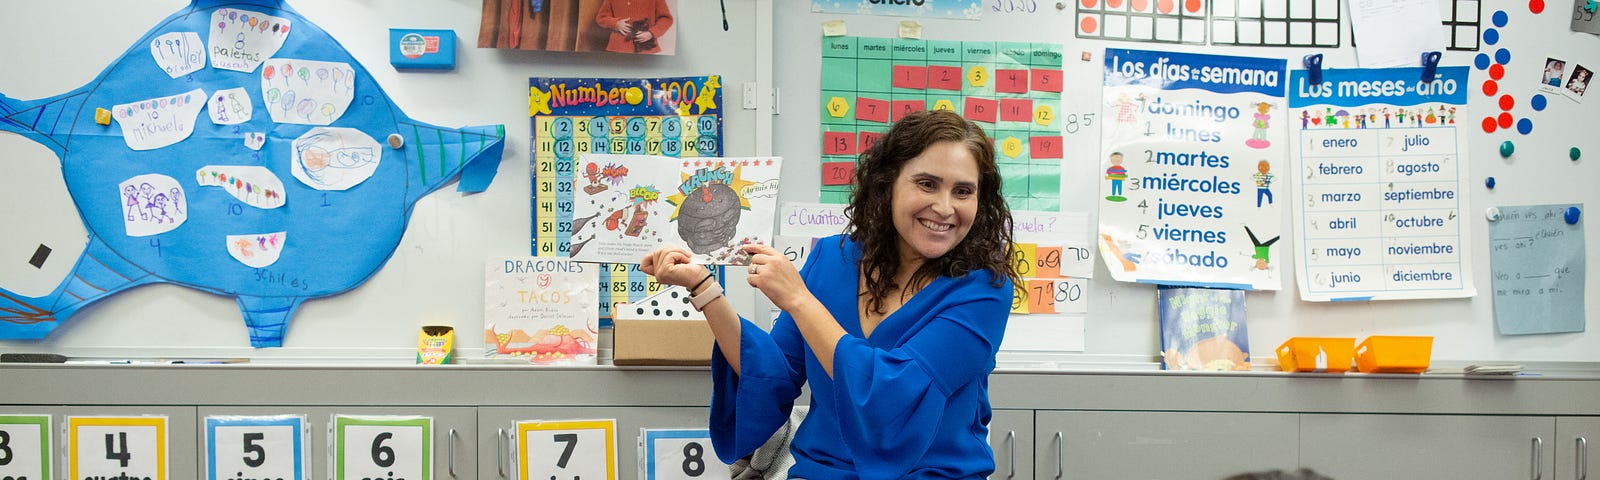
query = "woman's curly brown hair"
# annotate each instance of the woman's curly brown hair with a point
(987, 245)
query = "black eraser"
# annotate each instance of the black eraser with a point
(32, 358)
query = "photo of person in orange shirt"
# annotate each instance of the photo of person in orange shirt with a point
(635, 24)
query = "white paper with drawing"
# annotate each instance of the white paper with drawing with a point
(628, 205)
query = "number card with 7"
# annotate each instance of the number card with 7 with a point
(567, 450)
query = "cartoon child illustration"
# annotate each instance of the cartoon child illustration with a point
(1263, 182)
(1385, 117)
(1329, 119)
(176, 196)
(1116, 174)
(1262, 248)
(132, 204)
(1258, 139)
(160, 205)
(1305, 119)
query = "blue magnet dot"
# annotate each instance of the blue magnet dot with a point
(1500, 18)
(1489, 182)
(1538, 102)
(1524, 126)
(1491, 36)
(1572, 215)
(1502, 56)
(1506, 148)
(1482, 61)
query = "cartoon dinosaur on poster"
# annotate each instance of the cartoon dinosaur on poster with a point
(312, 211)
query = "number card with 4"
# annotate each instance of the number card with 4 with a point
(567, 450)
(25, 446)
(381, 447)
(117, 447)
(672, 454)
(267, 447)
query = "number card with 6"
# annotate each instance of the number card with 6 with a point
(381, 447)
(25, 446)
(674, 454)
(116, 447)
(267, 447)
(567, 450)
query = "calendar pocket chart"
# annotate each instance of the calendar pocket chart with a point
(679, 117)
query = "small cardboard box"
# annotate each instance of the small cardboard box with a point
(1317, 354)
(1394, 354)
(661, 342)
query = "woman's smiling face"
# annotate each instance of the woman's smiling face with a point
(935, 200)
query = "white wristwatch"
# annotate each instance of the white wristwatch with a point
(700, 300)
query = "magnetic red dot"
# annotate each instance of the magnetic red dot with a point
(1488, 125)
(1140, 5)
(1165, 6)
(1496, 71)
(1505, 119)
(1193, 6)
(1088, 24)
(1489, 87)
(1536, 6)
(1090, 3)
(1114, 3)
(1506, 102)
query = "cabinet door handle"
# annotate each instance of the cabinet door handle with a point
(1011, 451)
(1538, 456)
(450, 451)
(1060, 445)
(500, 453)
(1583, 459)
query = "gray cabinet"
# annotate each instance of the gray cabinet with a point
(1011, 436)
(1572, 447)
(1161, 445)
(1429, 446)
(454, 429)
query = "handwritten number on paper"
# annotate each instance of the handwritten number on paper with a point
(382, 456)
(250, 447)
(571, 439)
(111, 450)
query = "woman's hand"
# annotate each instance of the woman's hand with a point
(643, 36)
(776, 277)
(671, 265)
(624, 27)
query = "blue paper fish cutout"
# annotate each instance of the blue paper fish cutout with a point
(315, 212)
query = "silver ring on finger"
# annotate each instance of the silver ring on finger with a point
(753, 270)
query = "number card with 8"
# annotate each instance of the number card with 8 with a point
(671, 454)
(25, 446)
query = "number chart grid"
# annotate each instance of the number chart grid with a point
(1463, 26)
(1292, 23)
(1159, 21)
(1012, 90)
(673, 117)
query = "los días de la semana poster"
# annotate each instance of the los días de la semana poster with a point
(1381, 160)
(1193, 161)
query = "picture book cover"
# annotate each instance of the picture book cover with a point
(543, 308)
(1203, 329)
(629, 205)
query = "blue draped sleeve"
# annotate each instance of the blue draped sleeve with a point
(891, 402)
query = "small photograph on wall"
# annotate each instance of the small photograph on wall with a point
(645, 27)
(1555, 72)
(1579, 82)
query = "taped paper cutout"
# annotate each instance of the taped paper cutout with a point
(242, 39)
(152, 204)
(257, 251)
(230, 107)
(254, 140)
(179, 53)
(158, 122)
(334, 158)
(255, 186)
(307, 92)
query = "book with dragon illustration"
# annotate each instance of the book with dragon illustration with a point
(545, 309)
(629, 205)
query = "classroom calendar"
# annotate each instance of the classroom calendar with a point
(675, 117)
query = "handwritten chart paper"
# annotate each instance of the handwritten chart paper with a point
(1380, 160)
(1538, 264)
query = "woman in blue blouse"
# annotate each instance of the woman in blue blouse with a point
(898, 365)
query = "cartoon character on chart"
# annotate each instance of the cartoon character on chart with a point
(1125, 109)
(1305, 119)
(1258, 139)
(707, 99)
(1116, 174)
(592, 172)
(1263, 182)
(1262, 248)
(1385, 117)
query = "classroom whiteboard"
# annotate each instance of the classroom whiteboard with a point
(435, 277)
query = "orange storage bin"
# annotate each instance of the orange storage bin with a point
(1317, 354)
(1394, 354)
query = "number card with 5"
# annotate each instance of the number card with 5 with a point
(381, 447)
(115, 447)
(678, 454)
(269, 447)
(567, 450)
(25, 446)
